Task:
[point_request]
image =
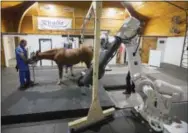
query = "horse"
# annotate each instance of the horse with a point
(64, 56)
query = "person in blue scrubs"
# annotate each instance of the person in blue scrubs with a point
(22, 65)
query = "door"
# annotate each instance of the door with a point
(44, 45)
(148, 43)
(9, 50)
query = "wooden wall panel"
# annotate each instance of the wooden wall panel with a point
(72, 4)
(54, 11)
(6, 4)
(112, 4)
(160, 14)
(161, 26)
(33, 11)
(183, 4)
(3, 26)
(27, 25)
(77, 14)
(89, 25)
(148, 43)
(8, 22)
(157, 9)
(119, 13)
(111, 24)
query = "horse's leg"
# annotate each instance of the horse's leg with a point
(71, 69)
(60, 68)
(66, 69)
(88, 64)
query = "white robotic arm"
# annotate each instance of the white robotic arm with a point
(159, 95)
(157, 102)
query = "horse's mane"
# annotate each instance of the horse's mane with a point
(48, 51)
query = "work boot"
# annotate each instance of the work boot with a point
(22, 87)
(30, 83)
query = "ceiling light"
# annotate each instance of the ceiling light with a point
(48, 7)
(111, 12)
(137, 3)
(121, 13)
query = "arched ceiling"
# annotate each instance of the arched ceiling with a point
(7, 4)
(158, 9)
(150, 10)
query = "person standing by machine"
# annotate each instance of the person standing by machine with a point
(22, 65)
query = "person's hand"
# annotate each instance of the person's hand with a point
(30, 61)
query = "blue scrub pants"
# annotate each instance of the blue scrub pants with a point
(24, 77)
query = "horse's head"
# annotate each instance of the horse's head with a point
(34, 55)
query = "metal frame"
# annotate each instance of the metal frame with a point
(95, 113)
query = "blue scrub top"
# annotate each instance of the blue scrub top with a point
(22, 66)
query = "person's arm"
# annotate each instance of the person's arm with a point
(23, 57)
(21, 54)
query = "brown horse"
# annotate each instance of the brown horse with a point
(66, 57)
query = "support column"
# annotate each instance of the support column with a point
(95, 113)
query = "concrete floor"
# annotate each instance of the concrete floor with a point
(172, 77)
(10, 78)
(120, 124)
(10, 81)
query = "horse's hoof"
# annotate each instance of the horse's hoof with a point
(59, 82)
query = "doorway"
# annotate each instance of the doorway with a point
(148, 43)
(8, 42)
(44, 45)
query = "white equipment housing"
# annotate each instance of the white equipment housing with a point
(129, 28)
(159, 95)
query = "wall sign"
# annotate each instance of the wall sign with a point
(51, 23)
